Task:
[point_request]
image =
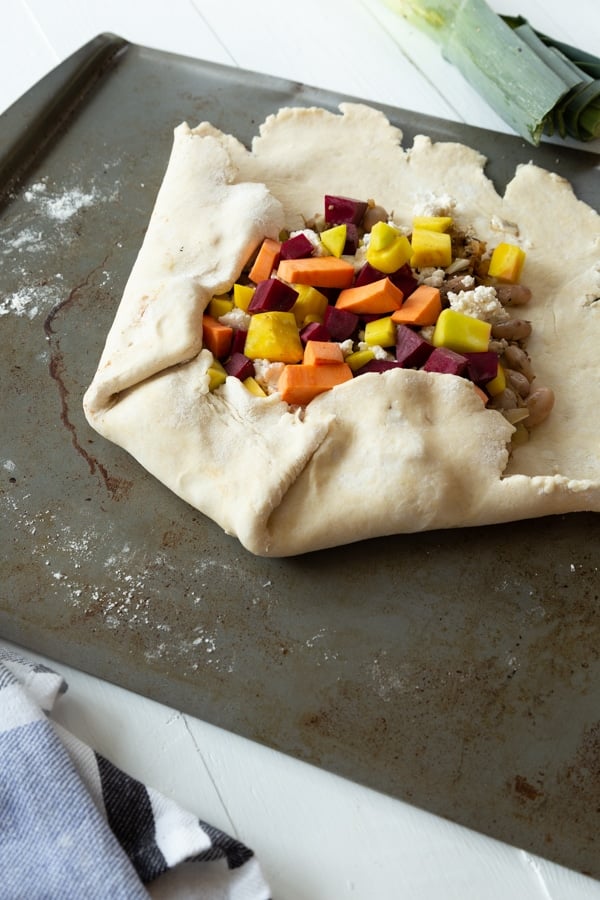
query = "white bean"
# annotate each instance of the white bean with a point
(539, 403)
(506, 399)
(517, 359)
(513, 330)
(373, 215)
(513, 294)
(517, 381)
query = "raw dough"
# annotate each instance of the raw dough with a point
(399, 452)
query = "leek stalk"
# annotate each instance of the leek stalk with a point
(535, 84)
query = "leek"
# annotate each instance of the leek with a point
(537, 85)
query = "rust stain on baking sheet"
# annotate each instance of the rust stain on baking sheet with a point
(584, 771)
(117, 487)
(525, 789)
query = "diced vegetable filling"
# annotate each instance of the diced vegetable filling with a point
(353, 293)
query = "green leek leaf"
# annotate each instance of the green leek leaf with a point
(535, 84)
(577, 114)
(584, 61)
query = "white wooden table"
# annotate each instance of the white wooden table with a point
(318, 836)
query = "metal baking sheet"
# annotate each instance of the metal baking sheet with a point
(456, 670)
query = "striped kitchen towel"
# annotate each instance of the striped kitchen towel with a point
(72, 825)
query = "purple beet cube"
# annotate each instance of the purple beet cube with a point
(351, 245)
(445, 361)
(315, 331)
(297, 247)
(239, 341)
(239, 366)
(367, 275)
(412, 351)
(369, 317)
(378, 365)
(404, 279)
(340, 323)
(340, 210)
(331, 293)
(482, 367)
(272, 295)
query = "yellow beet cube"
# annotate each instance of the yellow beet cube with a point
(497, 384)
(507, 263)
(359, 358)
(219, 306)
(253, 386)
(387, 250)
(430, 248)
(309, 303)
(432, 223)
(242, 295)
(382, 236)
(274, 336)
(334, 239)
(380, 332)
(216, 375)
(463, 334)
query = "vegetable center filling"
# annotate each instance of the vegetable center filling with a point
(354, 293)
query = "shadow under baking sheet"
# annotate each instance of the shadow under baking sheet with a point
(456, 670)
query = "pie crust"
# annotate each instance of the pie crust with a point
(401, 451)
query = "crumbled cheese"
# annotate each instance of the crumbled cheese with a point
(431, 276)
(360, 257)
(267, 374)
(378, 352)
(347, 347)
(467, 282)
(236, 318)
(427, 332)
(434, 205)
(480, 303)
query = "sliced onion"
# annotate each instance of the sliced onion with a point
(515, 415)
